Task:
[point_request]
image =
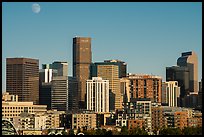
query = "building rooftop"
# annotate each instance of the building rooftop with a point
(142, 76)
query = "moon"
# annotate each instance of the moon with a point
(36, 8)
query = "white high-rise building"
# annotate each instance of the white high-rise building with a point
(98, 94)
(171, 93)
(47, 74)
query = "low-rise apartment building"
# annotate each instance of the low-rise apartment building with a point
(81, 120)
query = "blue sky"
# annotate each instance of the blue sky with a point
(148, 36)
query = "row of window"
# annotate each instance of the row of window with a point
(11, 115)
(16, 107)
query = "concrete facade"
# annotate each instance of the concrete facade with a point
(171, 93)
(98, 94)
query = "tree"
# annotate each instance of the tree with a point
(99, 132)
(109, 132)
(89, 132)
(138, 131)
(124, 131)
(198, 131)
(71, 132)
(187, 131)
(115, 132)
(170, 131)
(64, 132)
(192, 131)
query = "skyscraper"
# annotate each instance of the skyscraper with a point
(61, 67)
(109, 71)
(180, 74)
(59, 93)
(200, 95)
(46, 74)
(45, 94)
(22, 78)
(190, 60)
(54, 94)
(122, 67)
(98, 95)
(72, 94)
(145, 86)
(171, 93)
(82, 58)
(125, 89)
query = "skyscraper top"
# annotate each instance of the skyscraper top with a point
(78, 37)
(114, 60)
(21, 58)
(142, 76)
(188, 53)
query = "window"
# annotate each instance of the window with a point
(26, 109)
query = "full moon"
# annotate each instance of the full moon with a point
(36, 8)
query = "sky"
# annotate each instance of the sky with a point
(148, 36)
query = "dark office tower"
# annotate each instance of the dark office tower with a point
(61, 67)
(59, 93)
(72, 94)
(180, 74)
(200, 95)
(190, 60)
(45, 94)
(22, 78)
(81, 62)
(122, 67)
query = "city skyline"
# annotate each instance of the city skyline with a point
(137, 33)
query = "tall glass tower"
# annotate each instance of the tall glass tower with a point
(190, 60)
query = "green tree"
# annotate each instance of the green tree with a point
(138, 131)
(124, 131)
(64, 132)
(199, 130)
(192, 131)
(71, 132)
(187, 131)
(115, 132)
(170, 131)
(99, 132)
(89, 132)
(109, 132)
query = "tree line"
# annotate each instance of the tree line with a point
(141, 131)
